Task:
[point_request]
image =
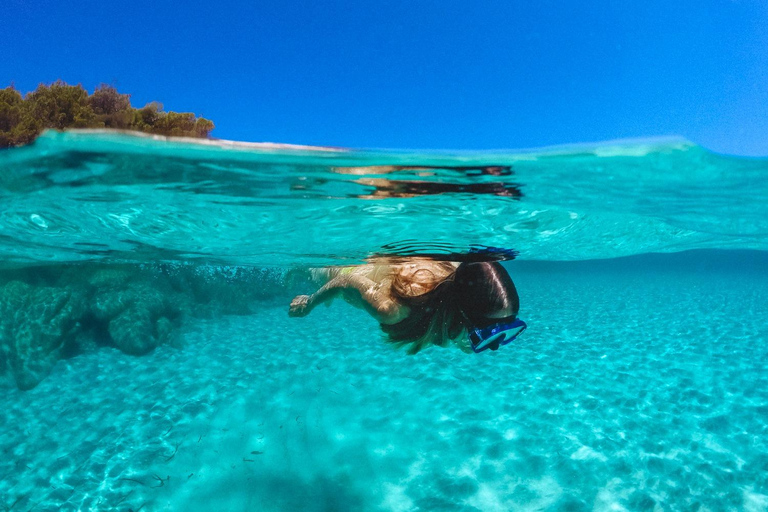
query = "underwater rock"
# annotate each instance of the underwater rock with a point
(110, 302)
(133, 331)
(58, 311)
(36, 326)
(110, 277)
(139, 316)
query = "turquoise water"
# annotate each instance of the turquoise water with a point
(148, 361)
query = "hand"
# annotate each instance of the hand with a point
(299, 306)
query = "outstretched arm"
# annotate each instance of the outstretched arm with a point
(374, 299)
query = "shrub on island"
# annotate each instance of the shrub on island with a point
(61, 106)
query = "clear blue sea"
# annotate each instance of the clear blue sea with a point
(147, 360)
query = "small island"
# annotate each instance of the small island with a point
(61, 106)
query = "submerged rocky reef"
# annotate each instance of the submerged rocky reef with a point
(52, 312)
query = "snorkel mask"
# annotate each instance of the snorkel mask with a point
(499, 333)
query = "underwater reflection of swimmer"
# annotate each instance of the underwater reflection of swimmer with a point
(427, 170)
(384, 188)
(421, 302)
(404, 188)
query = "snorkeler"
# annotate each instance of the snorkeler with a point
(421, 302)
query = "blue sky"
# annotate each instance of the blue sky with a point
(416, 74)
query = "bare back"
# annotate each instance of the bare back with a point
(370, 286)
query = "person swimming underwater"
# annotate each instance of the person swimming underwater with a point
(420, 302)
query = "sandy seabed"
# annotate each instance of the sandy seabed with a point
(633, 389)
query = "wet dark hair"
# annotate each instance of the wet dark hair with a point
(473, 292)
(484, 289)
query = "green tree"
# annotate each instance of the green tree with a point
(152, 119)
(203, 127)
(146, 117)
(10, 115)
(178, 124)
(60, 106)
(112, 109)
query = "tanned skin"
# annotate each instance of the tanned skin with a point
(368, 287)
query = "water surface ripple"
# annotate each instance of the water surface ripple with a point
(79, 196)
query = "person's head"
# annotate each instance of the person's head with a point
(442, 298)
(485, 293)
